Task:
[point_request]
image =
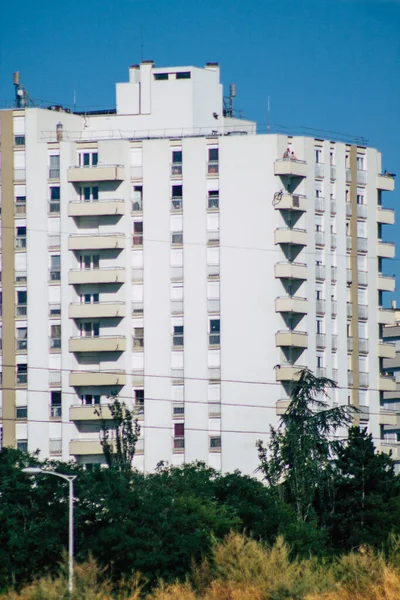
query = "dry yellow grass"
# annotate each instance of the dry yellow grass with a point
(388, 588)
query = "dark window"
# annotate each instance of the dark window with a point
(213, 154)
(22, 412)
(86, 194)
(176, 156)
(19, 140)
(21, 231)
(95, 159)
(86, 159)
(215, 325)
(95, 193)
(179, 429)
(55, 398)
(213, 199)
(177, 191)
(55, 193)
(215, 442)
(90, 399)
(160, 76)
(183, 75)
(22, 297)
(178, 329)
(138, 227)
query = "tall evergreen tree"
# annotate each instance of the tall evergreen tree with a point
(298, 456)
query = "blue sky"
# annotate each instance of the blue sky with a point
(326, 64)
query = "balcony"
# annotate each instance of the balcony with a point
(286, 167)
(386, 283)
(385, 182)
(296, 202)
(291, 270)
(97, 310)
(287, 235)
(362, 211)
(83, 447)
(385, 249)
(362, 177)
(102, 275)
(363, 345)
(387, 447)
(385, 215)
(320, 307)
(87, 412)
(362, 244)
(320, 341)
(388, 351)
(297, 339)
(110, 241)
(389, 418)
(103, 343)
(386, 383)
(288, 372)
(386, 316)
(319, 205)
(96, 208)
(282, 406)
(291, 304)
(363, 379)
(363, 312)
(96, 173)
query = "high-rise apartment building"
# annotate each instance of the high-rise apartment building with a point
(168, 253)
(391, 400)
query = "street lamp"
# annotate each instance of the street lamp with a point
(70, 479)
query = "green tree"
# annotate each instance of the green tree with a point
(367, 500)
(119, 436)
(297, 459)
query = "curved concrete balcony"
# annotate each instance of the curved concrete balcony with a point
(390, 447)
(290, 168)
(88, 412)
(297, 339)
(385, 183)
(291, 304)
(388, 352)
(388, 417)
(385, 215)
(386, 283)
(105, 241)
(386, 316)
(102, 275)
(83, 447)
(296, 202)
(288, 372)
(97, 310)
(96, 208)
(291, 270)
(385, 249)
(386, 383)
(287, 235)
(101, 343)
(96, 378)
(96, 173)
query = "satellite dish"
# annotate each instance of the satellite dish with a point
(20, 92)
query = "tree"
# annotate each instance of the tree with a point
(297, 459)
(367, 499)
(119, 440)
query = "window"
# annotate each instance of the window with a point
(215, 443)
(177, 238)
(332, 158)
(161, 76)
(89, 193)
(21, 303)
(22, 374)
(89, 298)
(89, 261)
(55, 267)
(319, 326)
(137, 205)
(20, 241)
(54, 204)
(54, 168)
(139, 401)
(89, 329)
(213, 199)
(55, 337)
(179, 430)
(22, 445)
(22, 339)
(213, 157)
(88, 159)
(138, 233)
(183, 75)
(176, 162)
(360, 162)
(318, 294)
(90, 399)
(138, 337)
(176, 201)
(177, 340)
(214, 336)
(318, 155)
(360, 199)
(19, 140)
(20, 205)
(22, 413)
(320, 362)
(55, 405)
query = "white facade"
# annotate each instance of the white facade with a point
(188, 267)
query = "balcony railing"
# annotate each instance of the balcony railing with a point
(55, 411)
(22, 378)
(20, 209)
(21, 345)
(137, 206)
(55, 275)
(213, 167)
(319, 205)
(54, 378)
(214, 409)
(213, 238)
(20, 243)
(320, 372)
(54, 173)
(320, 340)
(54, 207)
(333, 308)
(333, 241)
(363, 379)
(176, 273)
(214, 373)
(20, 310)
(334, 273)
(177, 340)
(214, 339)
(349, 209)
(362, 211)
(55, 343)
(176, 169)
(55, 447)
(54, 310)
(176, 204)
(137, 274)
(319, 170)
(349, 244)
(178, 443)
(362, 311)
(320, 271)
(362, 277)
(54, 240)
(319, 238)
(334, 342)
(137, 309)
(213, 305)
(363, 345)
(320, 307)
(177, 238)
(349, 309)
(362, 176)
(213, 271)
(20, 277)
(349, 344)
(333, 173)
(177, 307)
(333, 207)
(362, 244)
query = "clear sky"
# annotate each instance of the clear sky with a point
(326, 64)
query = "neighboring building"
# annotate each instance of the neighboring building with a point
(391, 400)
(168, 253)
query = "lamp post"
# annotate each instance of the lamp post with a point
(70, 479)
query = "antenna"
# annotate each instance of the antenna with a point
(21, 95)
(229, 110)
(74, 100)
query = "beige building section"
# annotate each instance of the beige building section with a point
(354, 283)
(8, 276)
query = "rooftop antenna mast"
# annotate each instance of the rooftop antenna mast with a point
(21, 95)
(229, 100)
